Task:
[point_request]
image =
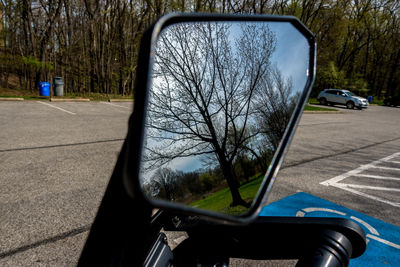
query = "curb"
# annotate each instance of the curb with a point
(321, 106)
(69, 99)
(11, 99)
(321, 112)
(120, 100)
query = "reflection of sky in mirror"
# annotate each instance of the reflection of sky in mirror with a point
(186, 164)
(291, 57)
(292, 53)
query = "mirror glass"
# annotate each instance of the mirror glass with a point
(221, 96)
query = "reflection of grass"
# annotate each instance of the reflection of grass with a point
(313, 108)
(220, 200)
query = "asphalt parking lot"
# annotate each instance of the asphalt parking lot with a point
(326, 146)
(56, 159)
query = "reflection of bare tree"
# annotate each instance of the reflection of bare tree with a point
(278, 107)
(162, 183)
(275, 102)
(200, 103)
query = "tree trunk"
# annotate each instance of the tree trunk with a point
(394, 67)
(227, 170)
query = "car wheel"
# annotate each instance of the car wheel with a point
(350, 105)
(322, 101)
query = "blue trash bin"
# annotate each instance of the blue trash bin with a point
(370, 99)
(44, 89)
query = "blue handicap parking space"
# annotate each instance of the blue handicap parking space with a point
(383, 247)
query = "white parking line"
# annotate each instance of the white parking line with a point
(378, 177)
(47, 104)
(115, 105)
(373, 187)
(395, 204)
(386, 168)
(337, 181)
(393, 161)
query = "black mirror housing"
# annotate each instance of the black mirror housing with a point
(137, 132)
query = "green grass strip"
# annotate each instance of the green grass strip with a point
(313, 108)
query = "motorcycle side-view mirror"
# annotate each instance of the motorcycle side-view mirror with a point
(217, 101)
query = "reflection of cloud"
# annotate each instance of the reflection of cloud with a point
(188, 164)
(185, 164)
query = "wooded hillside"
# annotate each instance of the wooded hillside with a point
(93, 45)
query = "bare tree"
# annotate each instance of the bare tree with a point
(201, 103)
(163, 183)
(94, 44)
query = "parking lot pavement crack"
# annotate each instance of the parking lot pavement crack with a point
(62, 145)
(53, 239)
(294, 164)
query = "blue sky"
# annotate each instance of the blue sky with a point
(291, 56)
(292, 53)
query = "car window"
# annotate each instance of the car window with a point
(350, 94)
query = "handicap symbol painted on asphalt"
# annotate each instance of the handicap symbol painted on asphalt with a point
(383, 248)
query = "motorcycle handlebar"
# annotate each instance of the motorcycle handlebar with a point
(329, 242)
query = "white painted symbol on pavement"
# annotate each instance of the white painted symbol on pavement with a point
(373, 232)
(337, 181)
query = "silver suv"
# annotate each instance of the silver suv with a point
(341, 97)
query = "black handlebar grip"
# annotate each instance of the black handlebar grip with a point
(332, 249)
